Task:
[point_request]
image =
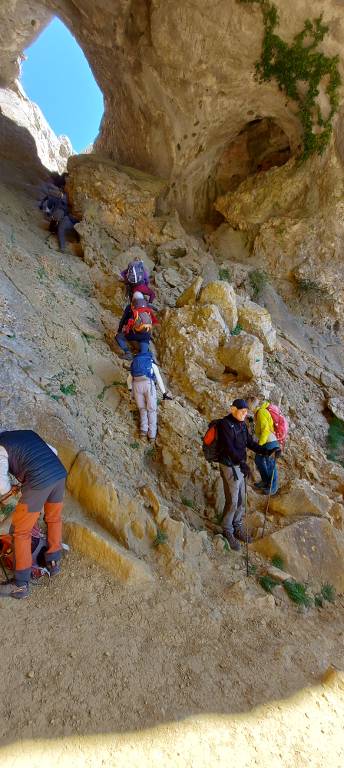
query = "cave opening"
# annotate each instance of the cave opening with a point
(261, 145)
(55, 75)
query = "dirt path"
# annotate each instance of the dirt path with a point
(107, 658)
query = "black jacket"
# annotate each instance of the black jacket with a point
(233, 441)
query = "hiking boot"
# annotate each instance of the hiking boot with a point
(267, 492)
(233, 543)
(240, 534)
(13, 590)
(54, 567)
(260, 485)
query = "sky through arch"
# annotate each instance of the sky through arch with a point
(58, 78)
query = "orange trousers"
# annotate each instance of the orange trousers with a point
(23, 522)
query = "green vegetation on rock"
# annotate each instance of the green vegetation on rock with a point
(303, 73)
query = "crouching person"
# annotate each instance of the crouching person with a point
(144, 373)
(42, 476)
(233, 441)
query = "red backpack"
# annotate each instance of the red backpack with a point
(281, 426)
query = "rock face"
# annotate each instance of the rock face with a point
(243, 354)
(26, 139)
(301, 499)
(222, 294)
(257, 320)
(172, 83)
(312, 550)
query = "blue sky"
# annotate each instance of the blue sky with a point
(58, 78)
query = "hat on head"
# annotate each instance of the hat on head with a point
(137, 295)
(240, 404)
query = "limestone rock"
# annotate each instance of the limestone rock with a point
(311, 549)
(256, 320)
(189, 296)
(337, 515)
(243, 354)
(301, 499)
(336, 406)
(247, 592)
(222, 294)
(97, 544)
(26, 138)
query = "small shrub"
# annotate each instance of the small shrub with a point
(134, 445)
(328, 592)
(335, 440)
(5, 510)
(225, 275)
(318, 600)
(108, 386)
(187, 502)
(278, 562)
(151, 453)
(41, 274)
(68, 389)
(297, 592)
(161, 538)
(258, 279)
(310, 287)
(268, 583)
(236, 330)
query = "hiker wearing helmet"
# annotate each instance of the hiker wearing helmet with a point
(136, 278)
(135, 325)
(265, 431)
(144, 374)
(35, 464)
(233, 441)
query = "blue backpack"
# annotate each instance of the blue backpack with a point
(142, 365)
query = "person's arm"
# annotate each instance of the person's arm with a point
(158, 378)
(254, 446)
(5, 485)
(124, 319)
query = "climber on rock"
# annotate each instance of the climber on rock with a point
(61, 221)
(144, 374)
(136, 279)
(233, 441)
(265, 432)
(42, 475)
(136, 325)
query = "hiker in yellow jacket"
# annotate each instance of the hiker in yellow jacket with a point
(266, 465)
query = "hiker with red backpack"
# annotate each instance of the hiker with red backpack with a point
(42, 475)
(227, 441)
(271, 430)
(136, 278)
(144, 375)
(136, 324)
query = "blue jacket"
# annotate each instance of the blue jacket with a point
(30, 459)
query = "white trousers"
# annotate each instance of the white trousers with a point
(145, 397)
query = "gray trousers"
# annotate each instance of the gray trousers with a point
(235, 498)
(144, 392)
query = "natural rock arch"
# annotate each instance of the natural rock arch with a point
(177, 78)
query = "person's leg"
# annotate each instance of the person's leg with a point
(238, 522)
(152, 410)
(23, 522)
(122, 341)
(231, 488)
(53, 518)
(139, 390)
(272, 475)
(261, 466)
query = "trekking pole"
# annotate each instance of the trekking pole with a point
(268, 502)
(246, 529)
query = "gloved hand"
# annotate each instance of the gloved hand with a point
(274, 453)
(245, 469)
(167, 396)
